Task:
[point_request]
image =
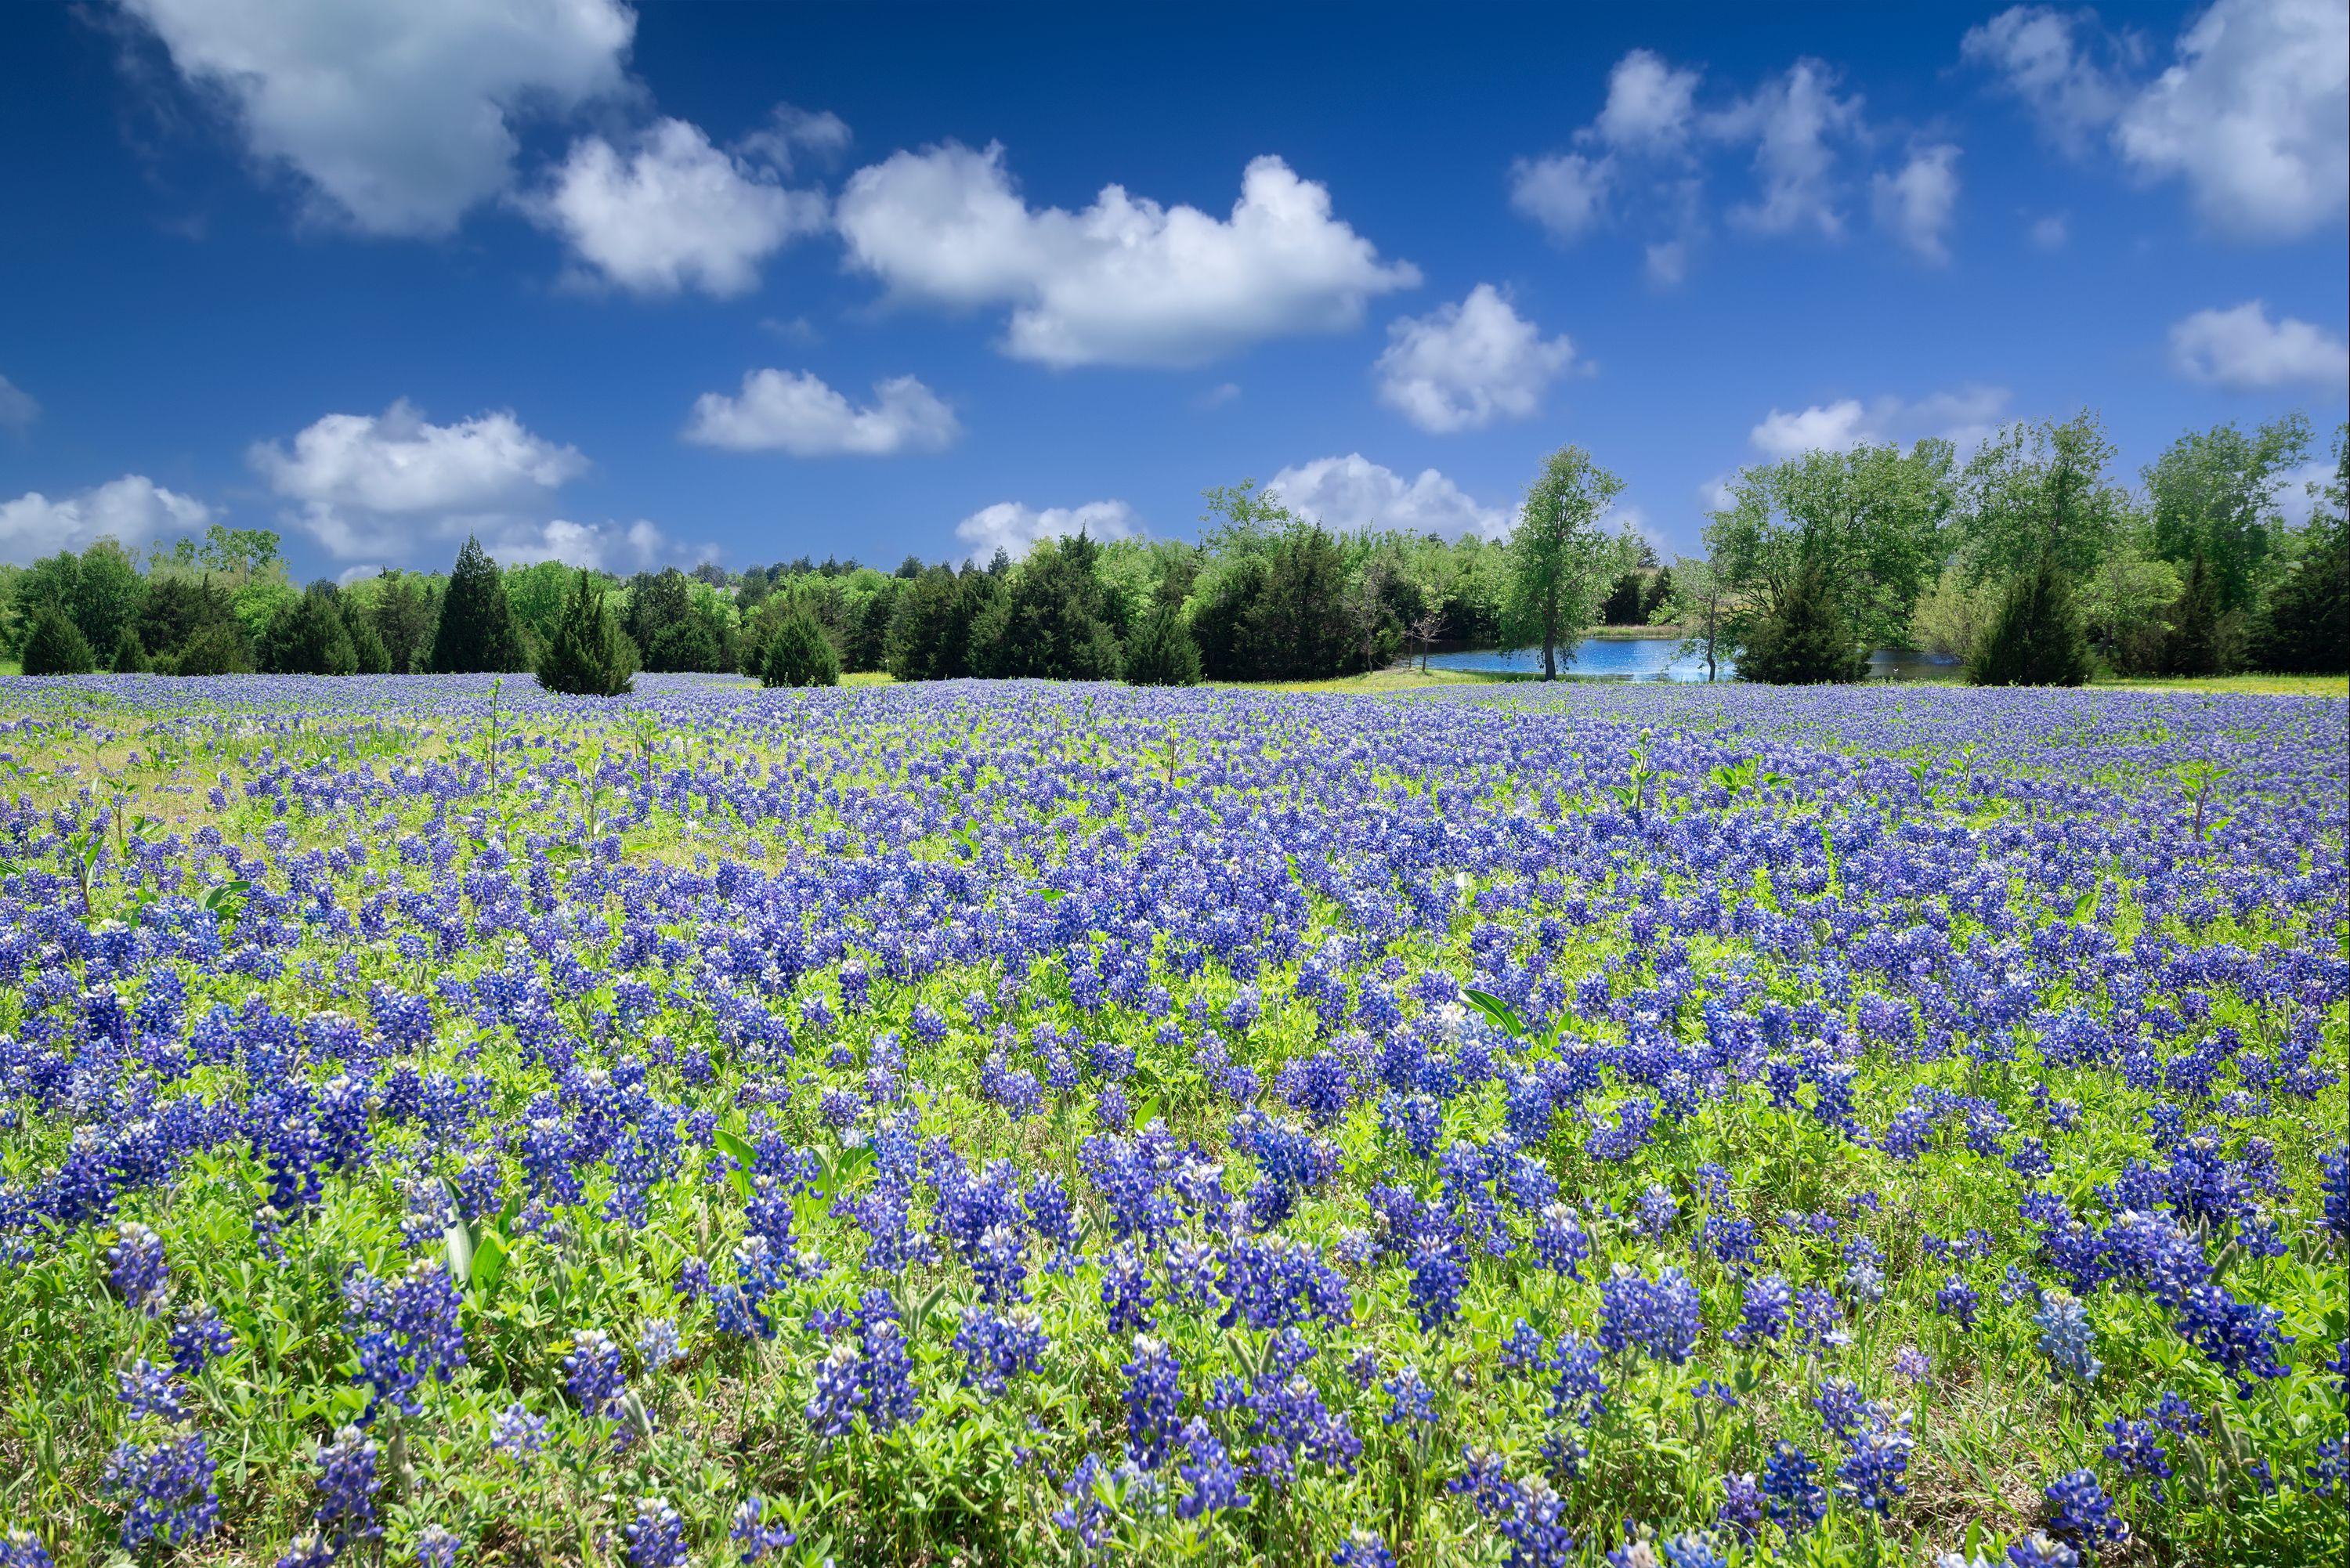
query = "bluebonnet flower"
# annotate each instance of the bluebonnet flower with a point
(1659, 1316)
(1957, 1301)
(406, 1333)
(1742, 1506)
(436, 1547)
(2067, 1337)
(2037, 1551)
(168, 1486)
(1361, 1549)
(659, 1345)
(995, 1348)
(1873, 1466)
(754, 1537)
(23, 1548)
(308, 1550)
(1763, 1311)
(1559, 1241)
(138, 1269)
(591, 1371)
(347, 1482)
(1794, 1497)
(2082, 1515)
(148, 1390)
(1208, 1471)
(1410, 1400)
(516, 1433)
(1913, 1363)
(2137, 1449)
(197, 1339)
(1657, 1210)
(1154, 1396)
(655, 1538)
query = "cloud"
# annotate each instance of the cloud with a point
(1916, 206)
(2299, 489)
(790, 131)
(1125, 282)
(1015, 529)
(793, 411)
(1353, 491)
(2250, 114)
(1649, 103)
(2241, 348)
(1462, 365)
(2051, 232)
(672, 213)
(1794, 123)
(1646, 161)
(1565, 192)
(363, 483)
(2253, 117)
(598, 547)
(2059, 64)
(132, 510)
(17, 408)
(1962, 417)
(1217, 396)
(397, 118)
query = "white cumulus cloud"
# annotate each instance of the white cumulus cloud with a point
(1353, 491)
(1125, 282)
(1463, 366)
(132, 510)
(2253, 114)
(361, 483)
(17, 408)
(794, 412)
(1796, 124)
(1916, 206)
(598, 547)
(2242, 347)
(1014, 529)
(398, 118)
(1963, 417)
(672, 213)
(1565, 192)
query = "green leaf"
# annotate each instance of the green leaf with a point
(457, 1240)
(738, 1150)
(489, 1262)
(1496, 1009)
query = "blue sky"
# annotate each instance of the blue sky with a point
(746, 281)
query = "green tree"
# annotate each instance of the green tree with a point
(923, 625)
(1872, 519)
(1051, 622)
(1160, 650)
(587, 654)
(1951, 616)
(2214, 495)
(2304, 626)
(1559, 559)
(2037, 495)
(215, 647)
(403, 610)
(310, 638)
(1625, 602)
(799, 654)
(130, 659)
(2192, 644)
(176, 608)
(476, 630)
(56, 646)
(1807, 638)
(2036, 639)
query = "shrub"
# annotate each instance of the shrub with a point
(215, 648)
(1804, 640)
(798, 654)
(1160, 651)
(588, 655)
(130, 659)
(56, 646)
(2036, 639)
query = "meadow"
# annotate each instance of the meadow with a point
(1048, 1124)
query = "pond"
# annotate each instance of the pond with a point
(1659, 658)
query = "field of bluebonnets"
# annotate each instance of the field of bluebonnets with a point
(1019, 1123)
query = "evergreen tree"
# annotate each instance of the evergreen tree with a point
(1805, 641)
(688, 644)
(1160, 650)
(176, 608)
(130, 659)
(373, 657)
(309, 637)
(56, 646)
(1051, 623)
(1622, 607)
(215, 647)
(799, 654)
(476, 630)
(587, 655)
(2192, 648)
(920, 627)
(1659, 594)
(2036, 639)
(868, 646)
(2305, 628)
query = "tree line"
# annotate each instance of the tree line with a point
(2029, 563)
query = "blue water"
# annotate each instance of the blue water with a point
(1652, 659)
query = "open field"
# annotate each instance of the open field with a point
(1011, 1122)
